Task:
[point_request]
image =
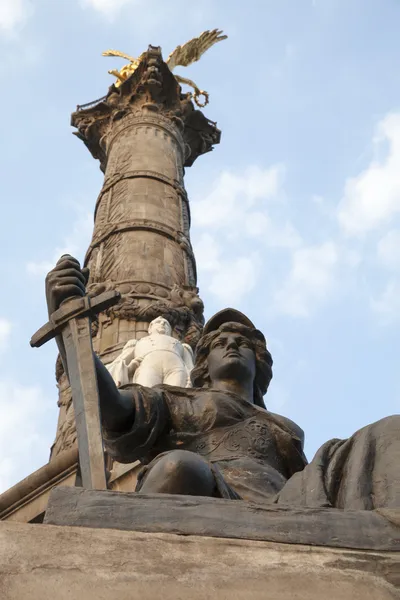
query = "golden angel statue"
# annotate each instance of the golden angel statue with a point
(182, 56)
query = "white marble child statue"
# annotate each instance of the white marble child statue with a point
(154, 359)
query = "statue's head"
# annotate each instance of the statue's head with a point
(233, 350)
(160, 325)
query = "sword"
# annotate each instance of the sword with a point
(72, 321)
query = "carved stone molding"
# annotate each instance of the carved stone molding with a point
(181, 306)
(154, 226)
(141, 288)
(111, 181)
(133, 121)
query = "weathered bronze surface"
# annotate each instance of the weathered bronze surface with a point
(214, 517)
(71, 321)
(218, 439)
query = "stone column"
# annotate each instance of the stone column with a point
(141, 243)
(144, 133)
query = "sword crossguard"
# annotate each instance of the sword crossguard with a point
(73, 309)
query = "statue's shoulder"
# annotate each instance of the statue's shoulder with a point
(137, 388)
(291, 425)
(179, 391)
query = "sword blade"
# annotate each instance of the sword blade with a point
(82, 375)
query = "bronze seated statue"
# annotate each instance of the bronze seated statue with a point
(218, 439)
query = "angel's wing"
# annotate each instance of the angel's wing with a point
(120, 54)
(193, 50)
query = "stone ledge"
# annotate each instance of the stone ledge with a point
(39, 483)
(190, 515)
(27, 500)
(41, 562)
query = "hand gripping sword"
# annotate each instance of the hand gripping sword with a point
(72, 321)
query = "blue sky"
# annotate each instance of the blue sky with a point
(295, 213)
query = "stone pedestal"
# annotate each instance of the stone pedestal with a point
(44, 562)
(375, 530)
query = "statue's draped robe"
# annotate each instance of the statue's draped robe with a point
(256, 455)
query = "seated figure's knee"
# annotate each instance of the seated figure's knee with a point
(185, 472)
(179, 463)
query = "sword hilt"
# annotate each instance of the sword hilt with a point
(74, 308)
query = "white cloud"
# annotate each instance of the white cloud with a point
(40, 268)
(234, 196)
(273, 233)
(388, 250)
(74, 244)
(350, 257)
(109, 8)
(249, 205)
(387, 305)
(310, 280)
(5, 333)
(13, 14)
(21, 443)
(234, 279)
(318, 200)
(153, 16)
(208, 252)
(372, 198)
(371, 205)
(229, 279)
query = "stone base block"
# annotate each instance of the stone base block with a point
(45, 562)
(215, 517)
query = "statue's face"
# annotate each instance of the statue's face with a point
(160, 325)
(231, 356)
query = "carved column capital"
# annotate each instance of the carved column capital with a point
(150, 94)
